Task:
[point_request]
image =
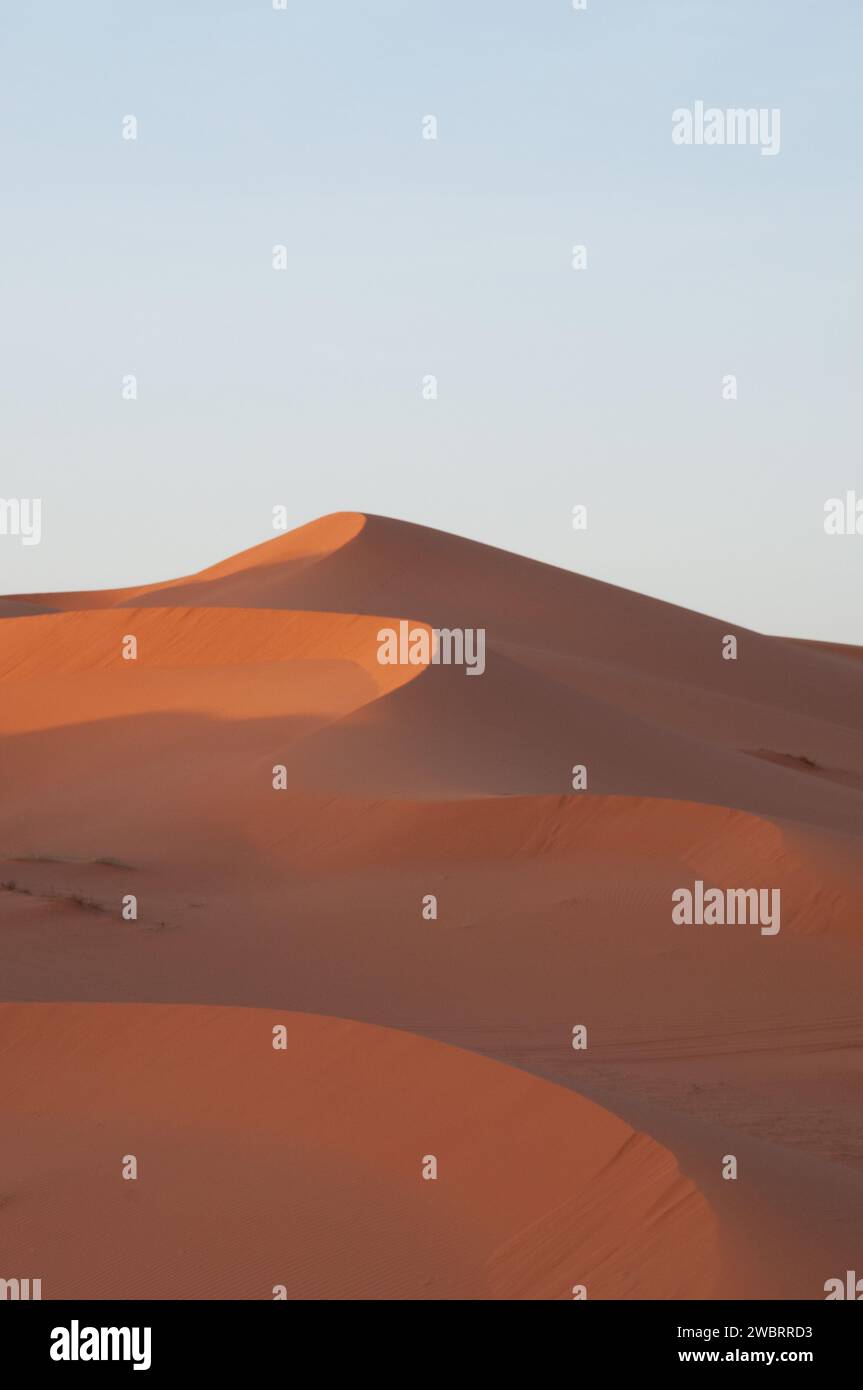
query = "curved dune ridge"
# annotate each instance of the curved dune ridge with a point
(304, 1166)
(154, 777)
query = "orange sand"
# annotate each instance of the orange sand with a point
(155, 778)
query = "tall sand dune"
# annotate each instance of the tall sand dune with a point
(154, 777)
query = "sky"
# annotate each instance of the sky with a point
(407, 258)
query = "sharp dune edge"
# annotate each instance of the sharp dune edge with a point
(409, 1037)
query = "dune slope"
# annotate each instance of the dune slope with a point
(303, 1166)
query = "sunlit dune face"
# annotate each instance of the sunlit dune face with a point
(68, 668)
(338, 1126)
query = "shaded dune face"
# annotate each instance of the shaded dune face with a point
(155, 777)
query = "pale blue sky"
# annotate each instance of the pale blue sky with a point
(408, 257)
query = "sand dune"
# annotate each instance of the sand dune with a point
(578, 672)
(154, 777)
(303, 1167)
